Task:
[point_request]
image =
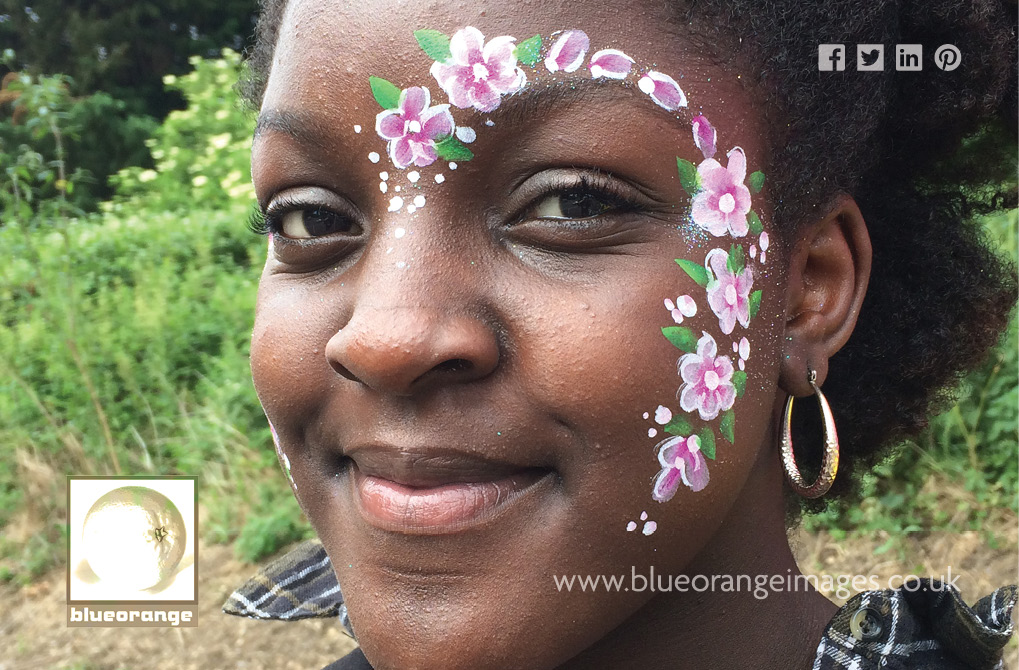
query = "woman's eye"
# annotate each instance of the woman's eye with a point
(316, 222)
(572, 205)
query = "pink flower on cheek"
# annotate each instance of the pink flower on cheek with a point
(723, 203)
(413, 128)
(682, 462)
(728, 292)
(707, 380)
(479, 74)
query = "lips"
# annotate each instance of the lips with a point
(436, 491)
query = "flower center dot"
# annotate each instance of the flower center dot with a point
(711, 380)
(414, 126)
(730, 294)
(480, 72)
(726, 203)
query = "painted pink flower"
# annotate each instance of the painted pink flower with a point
(724, 200)
(728, 292)
(704, 136)
(567, 54)
(611, 63)
(478, 74)
(682, 462)
(413, 128)
(663, 89)
(707, 380)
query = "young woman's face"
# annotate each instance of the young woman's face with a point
(464, 360)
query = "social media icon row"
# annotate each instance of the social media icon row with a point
(871, 57)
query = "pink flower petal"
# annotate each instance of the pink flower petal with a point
(697, 472)
(413, 101)
(567, 54)
(466, 46)
(666, 484)
(483, 98)
(390, 125)
(704, 136)
(663, 89)
(737, 166)
(401, 152)
(436, 123)
(611, 63)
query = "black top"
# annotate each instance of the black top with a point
(923, 624)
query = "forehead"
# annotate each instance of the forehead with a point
(326, 50)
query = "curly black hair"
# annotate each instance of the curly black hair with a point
(922, 153)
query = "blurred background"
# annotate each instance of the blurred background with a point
(127, 287)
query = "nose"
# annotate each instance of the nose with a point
(401, 349)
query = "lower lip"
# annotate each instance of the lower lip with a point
(439, 509)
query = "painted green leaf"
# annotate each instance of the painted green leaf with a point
(682, 338)
(739, 380)
(707, 438)
(755, 303)
(736, 262)
(529, 51)
(756, 182)
(728, 426)
(756, 227)
(696, 271)
(434, 43)
(386, 93)
(452, 149)
(688, 178)
(678, 426)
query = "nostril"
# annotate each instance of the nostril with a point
(454, 365)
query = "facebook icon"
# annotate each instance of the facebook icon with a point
(831, 57)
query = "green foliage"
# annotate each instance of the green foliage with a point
(202, 153)
(124, 336)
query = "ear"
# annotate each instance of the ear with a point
(829, 268)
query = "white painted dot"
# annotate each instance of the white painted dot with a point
(383, 175)
(753, 251)
(452, 166)
(742, 364)
(651, 432)
(399, 232)
(686, 305)
(489, 122)
(411, 209)
(646, 84)
(357, 128)
(744, 348)
(764, 257)
(663, 415)
(711, 380)
(646, 415)
(650, 527)
(439, 178)
(729, 293)
(419, 200)
(726, 203)
(395, 203)
(383, 186)
(735, 347)
(643, 515)
(374, 157)
(764, 241)
(632, 526)
(413, 176)
(396, 188)
(466, 135)
(389, 250)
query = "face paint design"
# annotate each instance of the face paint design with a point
(476, 74)
(281, 455)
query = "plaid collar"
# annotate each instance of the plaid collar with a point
(923, 624)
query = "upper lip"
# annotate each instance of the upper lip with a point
(431, 466)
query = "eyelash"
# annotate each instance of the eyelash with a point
(595, 184)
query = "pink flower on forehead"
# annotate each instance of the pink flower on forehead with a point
(728, 292)
(723, 203)
(707, 380)
(478, 74)
(413, 128)
(682, 462)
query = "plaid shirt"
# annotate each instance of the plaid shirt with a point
(920, 625)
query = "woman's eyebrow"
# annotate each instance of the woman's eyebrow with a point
(300, 126)
(545, 98)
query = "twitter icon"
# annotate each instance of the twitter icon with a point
(870, 57)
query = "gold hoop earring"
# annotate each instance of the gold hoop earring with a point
(830, 457)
